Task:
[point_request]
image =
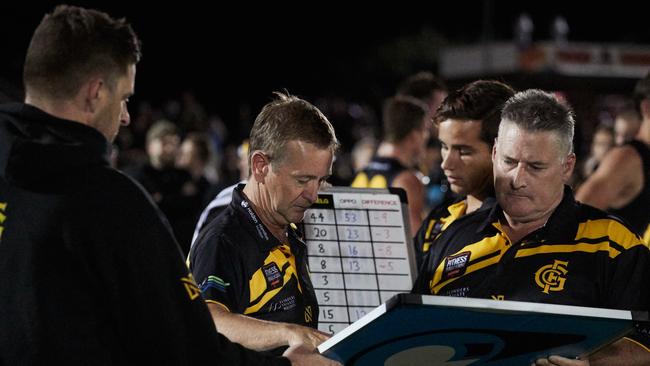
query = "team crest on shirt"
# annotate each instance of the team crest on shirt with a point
(455, 265)
(273, 276)
(552, 277)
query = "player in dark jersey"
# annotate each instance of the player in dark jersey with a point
(621, 184)
(405, 135)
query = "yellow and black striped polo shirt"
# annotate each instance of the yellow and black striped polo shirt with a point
(580, 257)
(380, 173)
(437, 221)
(241, 266)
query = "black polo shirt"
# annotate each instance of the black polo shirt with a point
(240, 265)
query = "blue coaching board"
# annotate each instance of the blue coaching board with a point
(359, 251)
(411, 330)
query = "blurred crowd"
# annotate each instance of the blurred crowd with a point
(184, 156)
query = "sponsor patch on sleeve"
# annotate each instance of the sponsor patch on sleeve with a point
(215, 283)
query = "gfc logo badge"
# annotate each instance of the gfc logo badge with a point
(552, 276)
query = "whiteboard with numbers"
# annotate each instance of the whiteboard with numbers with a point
(359, 252)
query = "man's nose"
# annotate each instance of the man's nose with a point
(519, 177)
(125, 117)
(449, 160)
(311, 191)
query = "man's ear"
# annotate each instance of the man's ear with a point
(569, 164)
(260, 165)
(93, 92)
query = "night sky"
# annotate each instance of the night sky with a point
(233, 53)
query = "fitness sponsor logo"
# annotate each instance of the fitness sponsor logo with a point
(455, 265)
(273, 276)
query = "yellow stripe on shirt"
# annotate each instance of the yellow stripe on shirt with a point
(614, 230)
(258, 284)
(482, 248)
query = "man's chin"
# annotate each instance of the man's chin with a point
(521, 216)
(297, 215)
(461, 191)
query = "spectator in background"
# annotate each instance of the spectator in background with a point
(171, 188)
(601, 143)
(223, 198)
(621, 184)
(431, 90)
(197, 157)
(192, 115)
(362, 153)
(436, 186)
(626, 125)
(406, 132)
(428, 88)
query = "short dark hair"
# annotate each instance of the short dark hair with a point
(537, 110)
(401, 115)
(480, 100)
(289, 118)
(72, 43)
(421, 86)
(201, 142)
(641, 92)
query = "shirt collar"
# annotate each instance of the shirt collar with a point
(242, 206)
(561, 221)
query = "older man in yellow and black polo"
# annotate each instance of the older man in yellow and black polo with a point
(538, 243)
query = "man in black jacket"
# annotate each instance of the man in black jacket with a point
(91, 273)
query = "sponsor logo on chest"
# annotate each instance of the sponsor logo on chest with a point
(273, 276)
(455, 265)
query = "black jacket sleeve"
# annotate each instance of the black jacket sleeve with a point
(157, 309)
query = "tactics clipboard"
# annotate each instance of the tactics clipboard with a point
(360, 252)
(436, 330)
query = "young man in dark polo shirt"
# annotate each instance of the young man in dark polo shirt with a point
(468, 120)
